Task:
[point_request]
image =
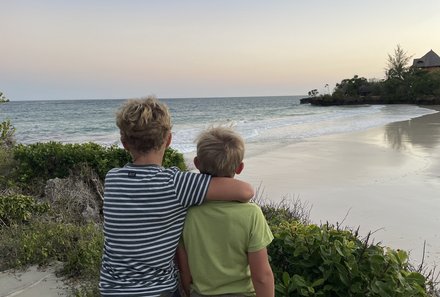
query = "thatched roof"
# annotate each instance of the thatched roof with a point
(431, 59)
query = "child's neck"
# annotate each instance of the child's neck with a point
(151, 158)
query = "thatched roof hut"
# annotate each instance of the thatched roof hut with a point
(430, 60)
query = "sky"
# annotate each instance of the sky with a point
(108, 49)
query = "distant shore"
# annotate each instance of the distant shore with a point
(385, 179)
(329, 100)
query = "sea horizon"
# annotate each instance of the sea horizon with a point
(160, 98)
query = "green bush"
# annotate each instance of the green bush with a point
(16, 209)
(6, 162)
(172, 158)
(84, 258)
(308, 260)
(48, 160)
(36, 163)
(6, 134)
(42, 242)
(7, 141)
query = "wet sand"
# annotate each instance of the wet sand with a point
(385, 179)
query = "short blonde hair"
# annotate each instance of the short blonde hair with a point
(143, 123)
(220, 150)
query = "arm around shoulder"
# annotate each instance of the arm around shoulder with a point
(229, 189)
(261, 273)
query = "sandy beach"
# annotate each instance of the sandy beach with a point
(385, 179)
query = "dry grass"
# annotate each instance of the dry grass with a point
(289, 208)
(77, 198)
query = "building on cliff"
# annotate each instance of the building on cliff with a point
(430, 61)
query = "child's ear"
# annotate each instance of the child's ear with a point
(239, 168)
(125, 145)
(168, 142)
(196, 162)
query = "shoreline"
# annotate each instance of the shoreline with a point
(384, 179)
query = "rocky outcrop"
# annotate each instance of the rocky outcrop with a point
(328, 100)
(76, 195)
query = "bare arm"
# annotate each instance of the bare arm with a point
(185, 273)
(261, 273)
(226, 188)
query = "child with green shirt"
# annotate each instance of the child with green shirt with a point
(223, 251)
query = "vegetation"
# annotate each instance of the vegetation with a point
(6, 129)
(311, 260)
(3, 99)
(39, 162)
(402, 84)
(397, 64)
(6, 144)
(307, 260)
(313, 93)
(19, 209)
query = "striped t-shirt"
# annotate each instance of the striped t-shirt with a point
(144, 211)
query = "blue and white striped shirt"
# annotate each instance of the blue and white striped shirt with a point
(144, 213)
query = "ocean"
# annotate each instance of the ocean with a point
(260, 120)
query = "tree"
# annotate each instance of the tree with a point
(397, 64)
(424, 83)
(313, 93)
(3, 98)
(351, 86)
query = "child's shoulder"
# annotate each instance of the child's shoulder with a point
(146, 170)
(249, 207)
(254, 207)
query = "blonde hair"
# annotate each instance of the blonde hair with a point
(220, 150)
(143, 123)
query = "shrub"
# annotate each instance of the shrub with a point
(44, 161)
(6, 143)
(16, 209)
(172, 158)
(42, 242)
(6, 134)
(308, 260)
(287, 210)
(40, 162)
(6, 162)
(84, 258)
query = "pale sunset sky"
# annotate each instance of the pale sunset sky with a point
(81, 49)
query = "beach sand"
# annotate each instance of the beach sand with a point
(384, 179)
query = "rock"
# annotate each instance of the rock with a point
(328, 100)
(78, 197)
(305, 100)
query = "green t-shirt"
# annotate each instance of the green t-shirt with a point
(217, 236)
